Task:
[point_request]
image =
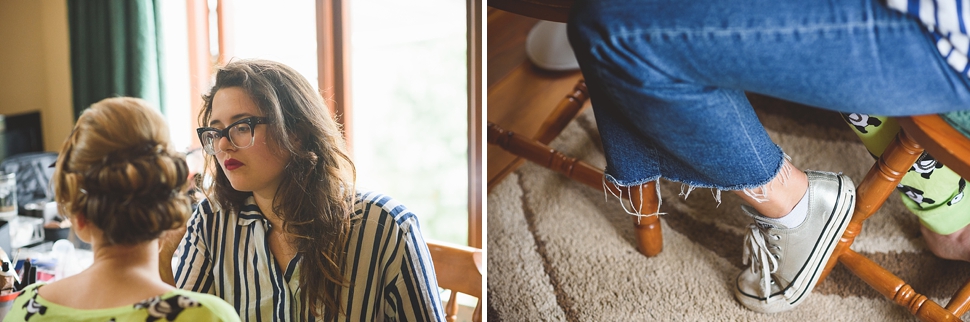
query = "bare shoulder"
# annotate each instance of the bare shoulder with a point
(88, 291)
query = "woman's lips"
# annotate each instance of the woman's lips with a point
(232, 164)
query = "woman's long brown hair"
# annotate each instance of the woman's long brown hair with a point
(316, 195)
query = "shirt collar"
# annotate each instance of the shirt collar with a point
(250, 213)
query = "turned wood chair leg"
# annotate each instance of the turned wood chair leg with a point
(649, 236)
(650, 239)
(567, 110)
(451, 309)
(960, 302)
(895, 288)
(880, 182)
(875, 188)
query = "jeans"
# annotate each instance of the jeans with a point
(667, 78)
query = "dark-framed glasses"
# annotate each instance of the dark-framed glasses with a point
(240, 134)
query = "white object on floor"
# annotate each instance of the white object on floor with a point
(547, 46)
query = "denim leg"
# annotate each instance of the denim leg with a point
(667, 78)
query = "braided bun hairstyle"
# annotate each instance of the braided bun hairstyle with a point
(119, 170)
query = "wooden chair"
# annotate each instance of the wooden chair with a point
(459, 269)
(948, 146)
(648, 232)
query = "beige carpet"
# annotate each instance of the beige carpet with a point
(560, 251)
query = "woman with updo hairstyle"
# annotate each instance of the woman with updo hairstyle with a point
(121, 184)
(283, 235)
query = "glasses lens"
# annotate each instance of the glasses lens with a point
(241, 135)
(209, 140)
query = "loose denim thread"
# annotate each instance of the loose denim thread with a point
(686, 189)
(784, 176)
(636, 210)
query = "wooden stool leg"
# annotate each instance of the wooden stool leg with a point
(960, 301)
(477, 314)
(872, 192)
(567, 110)
(894, 288)
(545, 156)
(649, 236)
(451, 309)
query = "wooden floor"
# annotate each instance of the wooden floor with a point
(520, 96)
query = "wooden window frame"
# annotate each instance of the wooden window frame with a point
(200, 61)
(475, 152)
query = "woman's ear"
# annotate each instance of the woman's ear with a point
(80, 225)
(79, 221)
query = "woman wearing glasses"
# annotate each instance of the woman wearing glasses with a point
(283, 235)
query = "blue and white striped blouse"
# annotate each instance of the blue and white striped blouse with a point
(947, 20)
(388, 265)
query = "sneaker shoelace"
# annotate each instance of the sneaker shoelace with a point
(756, 253)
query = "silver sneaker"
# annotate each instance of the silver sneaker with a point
(786, 263)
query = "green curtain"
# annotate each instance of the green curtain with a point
(115, 50)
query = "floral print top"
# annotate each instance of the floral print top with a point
(175, 305)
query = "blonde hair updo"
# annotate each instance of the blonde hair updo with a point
(118, 169)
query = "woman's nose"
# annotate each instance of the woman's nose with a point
(223, 144)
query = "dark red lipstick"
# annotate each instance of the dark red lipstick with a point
(232, 164)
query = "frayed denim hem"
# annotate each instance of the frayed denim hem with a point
(624, 194)
(623, 191)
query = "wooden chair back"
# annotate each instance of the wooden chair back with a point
(459, 269)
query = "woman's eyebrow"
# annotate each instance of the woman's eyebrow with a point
(233, 118)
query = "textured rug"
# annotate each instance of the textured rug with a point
(561, 251)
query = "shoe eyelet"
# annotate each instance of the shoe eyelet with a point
(775, 256)
(775, 237)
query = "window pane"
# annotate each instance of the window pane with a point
(175, 58)
(409, 108)
(283, 31)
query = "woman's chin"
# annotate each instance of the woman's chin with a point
(240, 187)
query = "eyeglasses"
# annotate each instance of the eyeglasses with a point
(240, 134)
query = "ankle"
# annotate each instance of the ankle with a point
(783, 194)
(955, 246)
(797, 214)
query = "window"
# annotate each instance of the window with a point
(409, 98)
(407, 76)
